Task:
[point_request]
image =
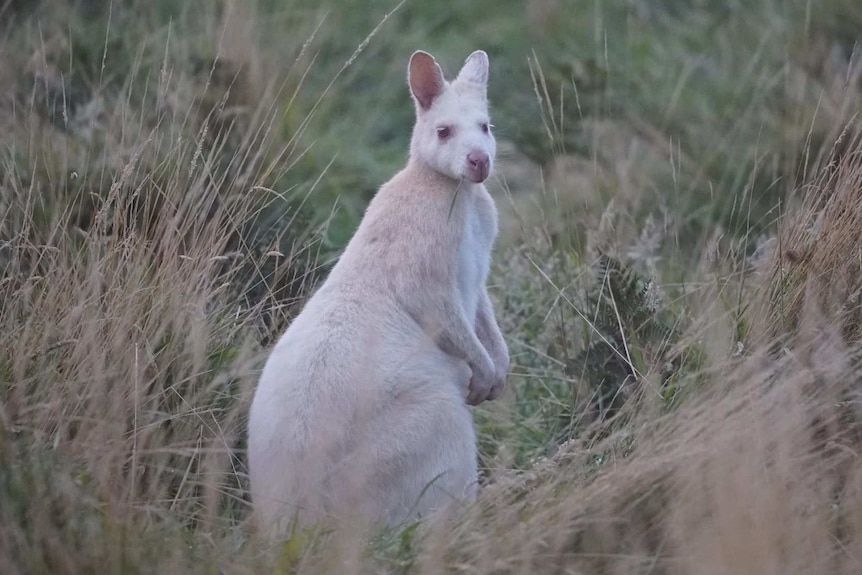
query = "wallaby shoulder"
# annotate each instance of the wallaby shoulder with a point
(415, 218)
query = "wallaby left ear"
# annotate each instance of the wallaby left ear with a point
(425, 78)
(475, 69)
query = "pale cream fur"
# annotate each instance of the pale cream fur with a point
(362, 406)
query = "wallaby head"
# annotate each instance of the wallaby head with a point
(453, 131)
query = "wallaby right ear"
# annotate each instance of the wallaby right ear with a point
(425, 78)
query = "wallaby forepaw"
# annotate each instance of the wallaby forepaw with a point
(484, 389)
(497, 389)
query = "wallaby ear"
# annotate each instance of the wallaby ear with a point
(425, 78)
(475, 69)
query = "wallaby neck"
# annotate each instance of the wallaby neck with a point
(423, 172)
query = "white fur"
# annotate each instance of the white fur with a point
(463, 108)
(361, 409)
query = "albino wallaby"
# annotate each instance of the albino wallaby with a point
(361, 408)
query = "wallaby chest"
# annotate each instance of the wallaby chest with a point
(474, 251)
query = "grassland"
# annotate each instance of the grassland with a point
(678, 276)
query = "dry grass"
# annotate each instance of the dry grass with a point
(135, 309)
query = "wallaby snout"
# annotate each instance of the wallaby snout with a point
(478, 166)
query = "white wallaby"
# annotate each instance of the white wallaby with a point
(361, 409)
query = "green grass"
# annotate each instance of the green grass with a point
(176, 177)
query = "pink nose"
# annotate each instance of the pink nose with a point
(478, 165)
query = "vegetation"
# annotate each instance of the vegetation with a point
(678, 276)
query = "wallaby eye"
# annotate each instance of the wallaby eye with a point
(444, 132)
(485, 127)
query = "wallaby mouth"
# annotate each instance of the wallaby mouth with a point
(477, 177)
(478, 167)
